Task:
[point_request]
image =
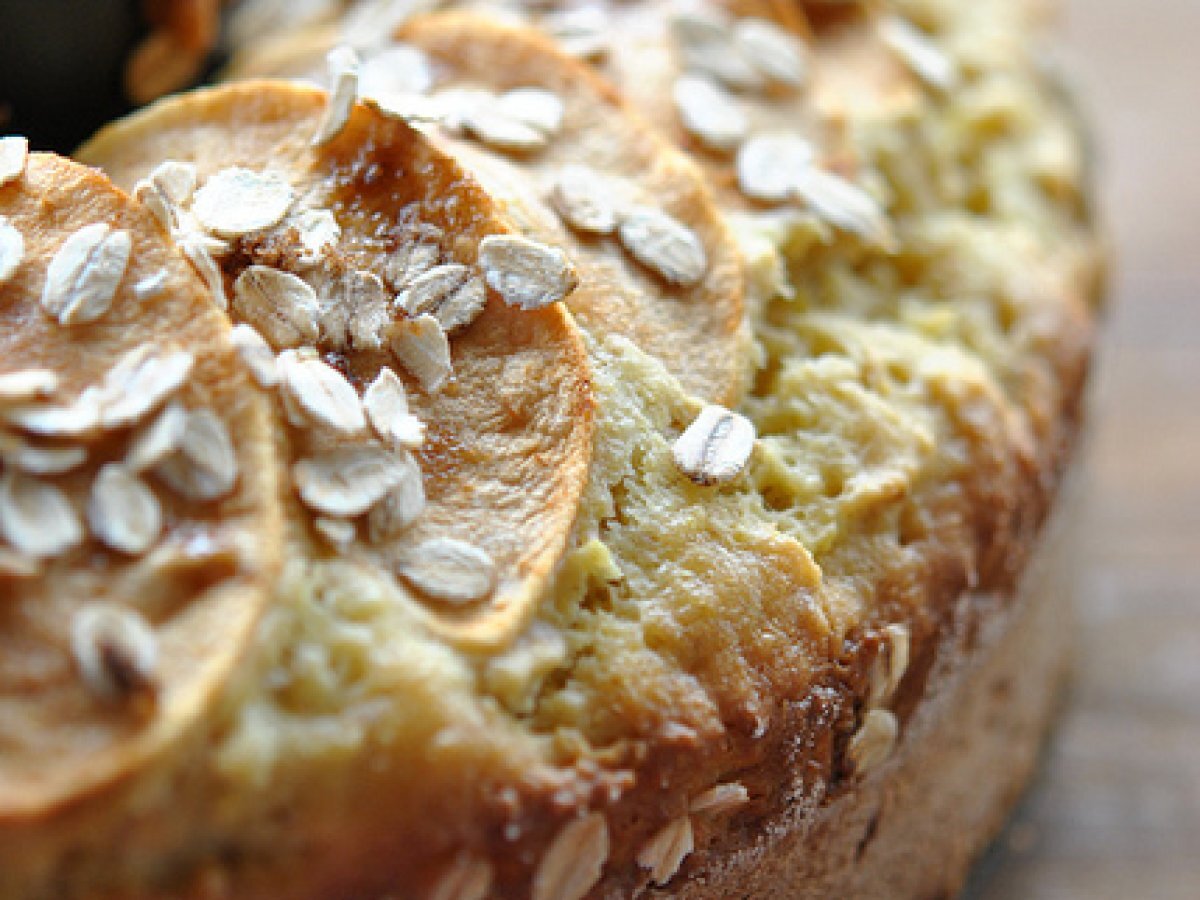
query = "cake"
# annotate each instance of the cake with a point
(582, 450)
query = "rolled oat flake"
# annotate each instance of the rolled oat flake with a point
(664, 244)
(715, 448)
(14, 152)
(450, 570)
(237, 201)
(12, 250)
(84, 274)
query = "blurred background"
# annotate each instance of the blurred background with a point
(1116, 812)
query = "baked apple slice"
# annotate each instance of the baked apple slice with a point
(140, 522)
(433, 392)
(742, 87)
(571, 166)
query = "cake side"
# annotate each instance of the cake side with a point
(915, 826)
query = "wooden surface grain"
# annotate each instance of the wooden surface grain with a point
(1116, 810)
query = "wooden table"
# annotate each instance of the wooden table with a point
(1116, 811)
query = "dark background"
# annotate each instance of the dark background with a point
(60, 70)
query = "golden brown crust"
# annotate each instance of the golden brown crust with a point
(973, 735)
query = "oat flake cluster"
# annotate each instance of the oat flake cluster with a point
(359, 463)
